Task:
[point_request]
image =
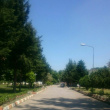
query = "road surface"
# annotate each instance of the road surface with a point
(58, 98)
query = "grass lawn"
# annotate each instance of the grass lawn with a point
(7, 95)
(95, 91)
(106, 91)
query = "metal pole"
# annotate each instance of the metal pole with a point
(93, 57)
(82, 44)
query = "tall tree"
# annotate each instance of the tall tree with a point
(20, 46)
(81, 69)
(21, 11)
(7, 19)
(56, 76)
(70, 75)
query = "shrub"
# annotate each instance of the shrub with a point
(49, 83)
(101, 92)
(7, 98)
(92, 90)
(85, 82)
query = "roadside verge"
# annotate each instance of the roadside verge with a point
(21, 100)
(95, 96)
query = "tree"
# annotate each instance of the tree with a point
(21, 11)
(55, 76)
(42, 69)
(70, 75)
(85, 81)
(61, 75)
(49, 79)
(30, 77)
(18, 42)
(81, 69)
(100, 78)
(7, 19)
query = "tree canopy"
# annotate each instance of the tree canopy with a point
(20, 46)
(73, 72)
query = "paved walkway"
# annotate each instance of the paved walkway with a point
(57, 98)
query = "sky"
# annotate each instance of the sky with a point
(65, 24)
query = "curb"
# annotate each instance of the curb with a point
(20, 101)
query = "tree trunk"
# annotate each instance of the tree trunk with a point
(15, 79)
(20, 83)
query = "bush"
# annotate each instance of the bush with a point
(36, 89)
(92, 90)
(101, 92)
(7, 98)
(85, 82)
(49, 83)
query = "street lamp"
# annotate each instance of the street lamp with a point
(83, 44)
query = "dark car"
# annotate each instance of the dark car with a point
(62, 85)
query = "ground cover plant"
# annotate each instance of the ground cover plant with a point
(99, 91)
(7, 95)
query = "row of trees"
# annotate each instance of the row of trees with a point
(20, 46)
(100, 78)
(21, 53)
(73, 72)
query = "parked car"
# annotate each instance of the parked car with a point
(62, 85)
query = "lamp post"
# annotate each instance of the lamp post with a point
(82, 44)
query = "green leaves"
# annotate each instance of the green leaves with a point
(81, 69)
(101, 78)
(20, 46)
(85, 81)
(74, 72)
(97, 79)
(30, 77)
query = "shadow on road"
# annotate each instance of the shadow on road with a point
(66, 104)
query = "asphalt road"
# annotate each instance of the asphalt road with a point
(57, 98)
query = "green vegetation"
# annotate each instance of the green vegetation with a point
(104, 92)
(20, 46)
(22, 59)
(73, 72)
(85, 81)
(95, 82)
(21, 53)
(97, 79)
(30, 78)
(7, 95)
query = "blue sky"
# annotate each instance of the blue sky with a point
(64, 24)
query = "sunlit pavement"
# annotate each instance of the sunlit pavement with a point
(59, 98)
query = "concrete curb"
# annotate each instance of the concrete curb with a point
(20, 101)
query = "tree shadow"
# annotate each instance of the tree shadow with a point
(66, 104)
